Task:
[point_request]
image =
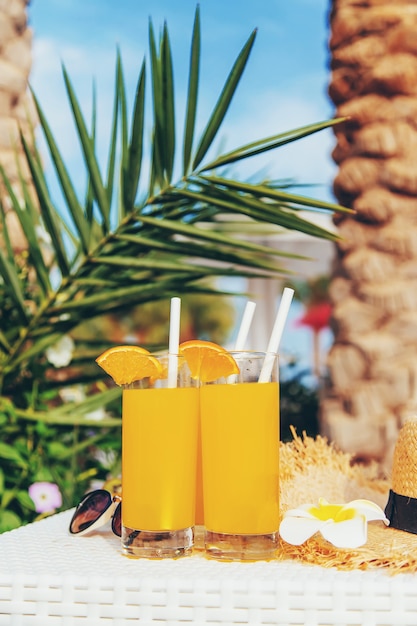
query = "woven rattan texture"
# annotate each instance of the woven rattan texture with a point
(48, 578)
(404, 475)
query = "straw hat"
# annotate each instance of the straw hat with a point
(313, 468)
(401, 508)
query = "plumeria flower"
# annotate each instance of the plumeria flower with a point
(343, 525)
(60, 353)
(46, 497)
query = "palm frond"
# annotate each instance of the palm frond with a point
(270, 143)
(257, 210)
(111, 162)
(193, 79)
(198, 235)
(130, 241)
(9, 274)
(223, 102)
(72, 203)
(25, 217)
(89, 155)
(158, 142)
(291, 200)
(168, 108)
(134, 153)
(49, 214)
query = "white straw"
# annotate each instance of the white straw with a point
(276, 335)
(243, 332)
(174, 341)
(244, 326)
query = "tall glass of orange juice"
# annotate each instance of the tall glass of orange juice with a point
(159, 464)
(240, 459)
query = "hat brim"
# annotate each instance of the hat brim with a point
(389, 548)
(313, 468)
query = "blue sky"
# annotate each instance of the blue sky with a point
(284, 85)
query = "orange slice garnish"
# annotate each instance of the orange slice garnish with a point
(207, 361)
(125, 364)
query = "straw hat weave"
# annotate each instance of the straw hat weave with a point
(401, 507)
(404, 464)
(313, 468)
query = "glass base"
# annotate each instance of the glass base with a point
(228, 547)
(198, 538)
(157, 544)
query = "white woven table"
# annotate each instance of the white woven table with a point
(48, 578)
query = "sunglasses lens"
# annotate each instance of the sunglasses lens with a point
(116, 523)
(89, 510)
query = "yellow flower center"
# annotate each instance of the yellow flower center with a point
(335, 512)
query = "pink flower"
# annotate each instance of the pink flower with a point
(316, 317)
(46, 496)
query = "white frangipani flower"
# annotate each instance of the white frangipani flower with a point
(60, 353)
(343, 525)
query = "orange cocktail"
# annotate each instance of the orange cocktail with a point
(207, 361)
(160, 421)
(159, 458)
(240, 446)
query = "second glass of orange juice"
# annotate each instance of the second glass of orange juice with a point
(159, 457)
(240, 448)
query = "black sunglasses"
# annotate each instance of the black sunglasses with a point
(95, 510)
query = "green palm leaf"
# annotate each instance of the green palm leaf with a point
(270, 143)
(7, 244)
(223, 102)
(158, 143)
(194, 73)
(168, 112)
(28, 226)
(111, 162)
(12, 285)
(219, 253)
(200, 237)
(258, 210)
(89, 155)
(192, 231)
(67, 186)
(49, 215)
(133, 158)
(4, 343)
(267, 191)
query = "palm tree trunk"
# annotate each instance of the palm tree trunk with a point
(373, 361)
(15, 104)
